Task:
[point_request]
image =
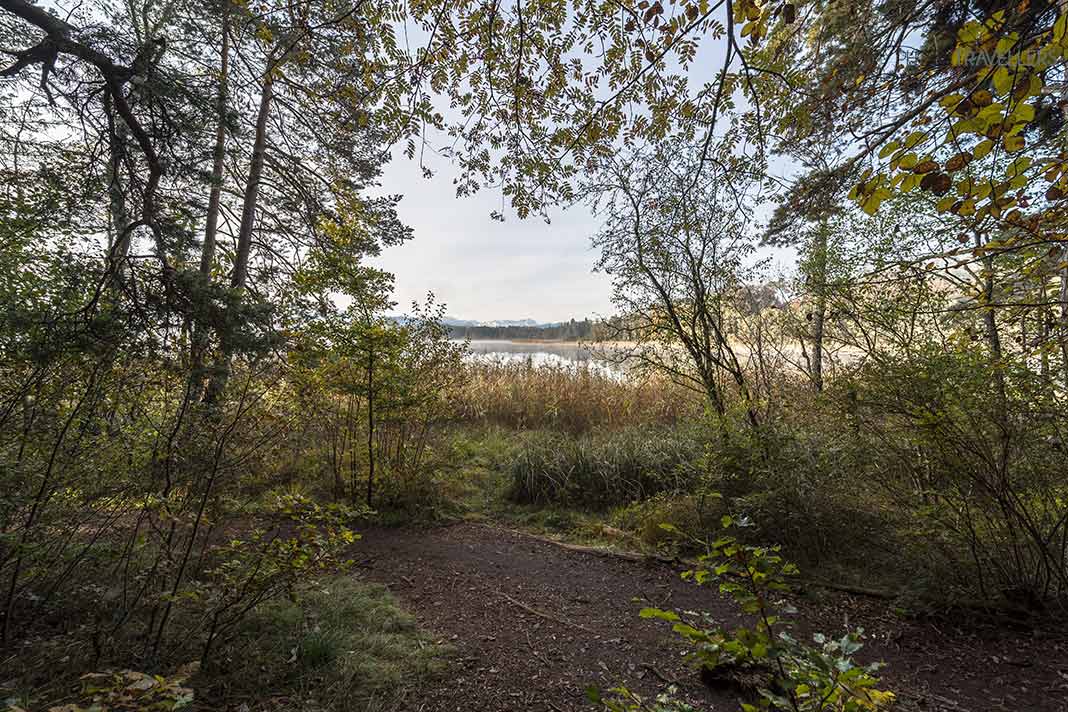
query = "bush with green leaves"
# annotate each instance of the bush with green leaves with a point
(792, 675)
(693, 512)
(304, 539)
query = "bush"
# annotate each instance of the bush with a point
(793, 676)
(684, 512)
(806, 487)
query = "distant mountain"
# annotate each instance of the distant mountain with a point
(496, 323)
(508, 329)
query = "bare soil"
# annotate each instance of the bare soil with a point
(532, 625)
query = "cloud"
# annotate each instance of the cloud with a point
(484, 269)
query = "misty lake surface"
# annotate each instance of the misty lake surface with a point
(541, 353)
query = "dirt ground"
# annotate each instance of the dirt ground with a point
(532, 625)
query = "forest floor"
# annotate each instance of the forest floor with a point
(532, 625)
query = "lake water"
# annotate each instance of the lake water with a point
(540, 353)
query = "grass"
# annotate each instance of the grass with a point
(343, 647)
(614, 487)
(567, 399)
(607, 468)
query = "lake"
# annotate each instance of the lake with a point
(540, 353)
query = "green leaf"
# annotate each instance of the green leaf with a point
(983, 148)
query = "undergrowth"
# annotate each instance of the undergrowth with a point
(342, 646)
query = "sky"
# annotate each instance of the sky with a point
(487, 270)
(484, 269)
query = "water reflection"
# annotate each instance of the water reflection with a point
(541, 353)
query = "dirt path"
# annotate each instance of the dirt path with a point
(533, 625)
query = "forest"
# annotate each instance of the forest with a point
(230, 480)
(571, 330)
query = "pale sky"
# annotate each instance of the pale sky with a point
(485, 269)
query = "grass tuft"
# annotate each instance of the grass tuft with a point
(604, 468)
(344, 646)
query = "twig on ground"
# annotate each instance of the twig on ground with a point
(543, 614)
(535, 653)
(663, 678)
(635, 556)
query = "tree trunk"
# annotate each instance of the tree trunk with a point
(370, 426)
(118, 219)
(211, 223)
(239, 278)
(818, 277)
(207, 253)
(1063, 298)
(993, 339)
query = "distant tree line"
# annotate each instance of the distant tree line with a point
(572, 330)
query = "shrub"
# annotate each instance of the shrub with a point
(684, 512)
(794, 676)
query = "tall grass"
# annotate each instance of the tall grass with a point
(604, 468)
(568, 399)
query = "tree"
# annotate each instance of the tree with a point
(122, 123)
(953, 100)
(676, 244)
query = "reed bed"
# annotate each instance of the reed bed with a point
(572, 399)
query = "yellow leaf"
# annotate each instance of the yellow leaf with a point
(1018, 166)
(950, 102)
(911, 181)
(983, 148)
(1014, 144)
(914, 138)
(1060, 28)
(1002, 80)
(888, 149)
(1024, 112)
